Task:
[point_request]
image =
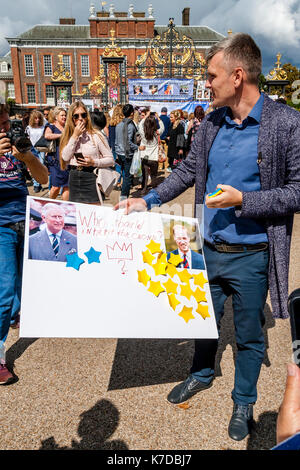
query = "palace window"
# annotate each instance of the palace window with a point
(50, 95)
(28, 60)
(85, 66)
(47, 65)
(67, 62)
(4, 67)
(11, 91)
(31, 94)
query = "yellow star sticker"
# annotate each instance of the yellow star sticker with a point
(175, 259)
(147, 257)
(159, 268)
(170, 286)
(203, 311)
(199, 280)
(184, 275)
(171, 270)
(199, 295)
(154, 247)
(162, 257)
(143, 277)
(156, 288)
(186, 314)
(186, 291)
(173, 301)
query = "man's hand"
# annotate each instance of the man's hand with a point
(23, 157)
(288, 421)
(132, 205)
(229, 198)
(5, 145)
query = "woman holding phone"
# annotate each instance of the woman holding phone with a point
(84, 149)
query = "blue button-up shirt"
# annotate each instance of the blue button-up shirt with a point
(233, 161)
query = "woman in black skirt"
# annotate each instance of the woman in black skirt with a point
(84, 148)
(175, 140)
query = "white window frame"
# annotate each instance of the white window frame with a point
(85, 68)
(67, 62)
(50, 97)
(28, 62)
(47, 59)
(4, 67)
(11, 91)
(32, 88)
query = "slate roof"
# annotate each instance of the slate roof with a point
(81, 32)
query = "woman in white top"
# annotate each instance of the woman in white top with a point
(149, 146)
(84, 149)
(35, 130)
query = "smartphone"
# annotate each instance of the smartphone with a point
(294, 311)
(78, 155)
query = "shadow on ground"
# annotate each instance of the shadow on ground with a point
(143, 362)
(94, 430)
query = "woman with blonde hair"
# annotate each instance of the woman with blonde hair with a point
(58, 178)
(175, 139)
(35, 131)
(84, 149)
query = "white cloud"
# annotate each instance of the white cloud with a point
(274, 24)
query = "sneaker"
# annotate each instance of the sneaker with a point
(37, 189)
(169, 170)
(5, 375)
(16, 323)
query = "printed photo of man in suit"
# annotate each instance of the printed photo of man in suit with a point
(191, 259)
(52, 243)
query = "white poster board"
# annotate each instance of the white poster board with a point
(115, 276)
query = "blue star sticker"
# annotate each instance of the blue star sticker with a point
(74, 261)
(93, 255)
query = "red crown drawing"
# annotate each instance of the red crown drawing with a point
(119, 252)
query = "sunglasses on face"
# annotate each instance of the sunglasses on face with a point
(77, 116)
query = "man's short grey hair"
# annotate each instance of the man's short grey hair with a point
(239, 50)
(50, 205)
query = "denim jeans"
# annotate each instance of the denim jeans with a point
(125, 164)
(11, 261)
(41, 157)
(245, 277)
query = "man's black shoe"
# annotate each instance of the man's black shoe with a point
(241, 422)
(185, 390)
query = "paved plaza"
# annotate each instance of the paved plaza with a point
(111, 394)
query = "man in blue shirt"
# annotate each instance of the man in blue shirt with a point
(13, 193)
(249, 148)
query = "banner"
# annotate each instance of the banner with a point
(160, 89)
(93, 272)
(171, 106)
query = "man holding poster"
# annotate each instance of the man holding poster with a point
(249, 148)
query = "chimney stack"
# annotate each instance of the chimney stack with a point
(186, 17)
(67, 20)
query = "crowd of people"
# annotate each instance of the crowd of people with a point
(248, 148)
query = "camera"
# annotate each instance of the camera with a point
(18, 137)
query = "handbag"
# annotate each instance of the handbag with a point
(106, 180)
(180, 141)
(45, 145)
(161, 154)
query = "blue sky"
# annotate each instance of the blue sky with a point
(274, 24)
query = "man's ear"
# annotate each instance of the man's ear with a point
(239, 76)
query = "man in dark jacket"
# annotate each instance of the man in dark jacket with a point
(125, 146)
(250, 148)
